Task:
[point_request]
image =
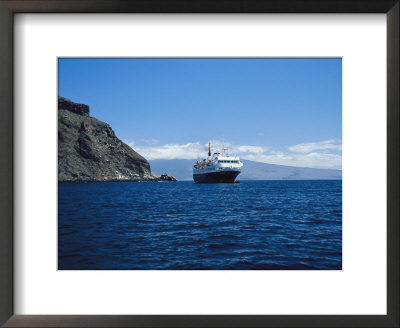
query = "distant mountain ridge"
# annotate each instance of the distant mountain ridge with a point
(181, 169)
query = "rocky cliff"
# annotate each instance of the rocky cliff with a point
(89, 150)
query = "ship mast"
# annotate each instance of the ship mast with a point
(209, 150)
(223, 146)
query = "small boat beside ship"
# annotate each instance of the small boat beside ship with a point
(217, 168)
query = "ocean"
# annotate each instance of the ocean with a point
(252, 225)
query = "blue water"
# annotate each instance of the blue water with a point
(252, 225)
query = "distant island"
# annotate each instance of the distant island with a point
(182, 170)
(89, 150)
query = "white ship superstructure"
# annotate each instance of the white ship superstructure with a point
(218, 168)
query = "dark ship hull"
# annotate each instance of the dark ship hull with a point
(216, 177)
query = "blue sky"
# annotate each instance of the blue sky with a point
(281, 111)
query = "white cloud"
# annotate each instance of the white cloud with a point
(235, 149)
(332, 144)
(191, 150)
(314, 154)
(250, 149)
(315, 160)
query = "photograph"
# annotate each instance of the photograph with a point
(220, 163)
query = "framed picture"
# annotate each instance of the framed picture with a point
(253, 179)
(259, 97)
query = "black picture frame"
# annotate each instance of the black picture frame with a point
(10, 7)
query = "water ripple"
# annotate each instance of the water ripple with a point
(254, 225)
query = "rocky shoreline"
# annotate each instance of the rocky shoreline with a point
(165, 177)
(89, 150)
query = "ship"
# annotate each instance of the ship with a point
(217, 168)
